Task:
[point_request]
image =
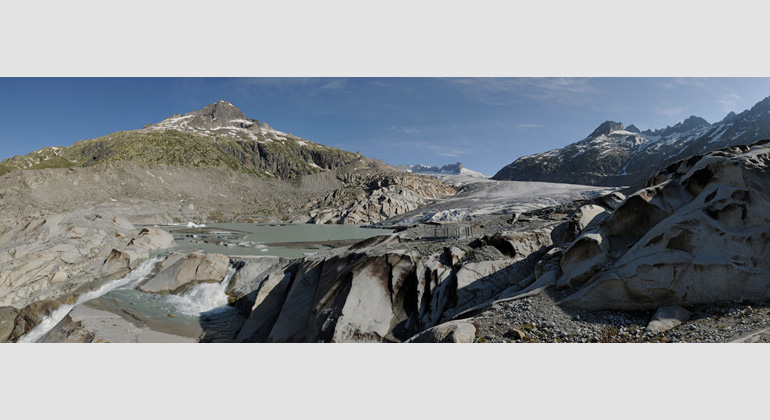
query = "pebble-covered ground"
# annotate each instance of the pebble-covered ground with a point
(538, 319)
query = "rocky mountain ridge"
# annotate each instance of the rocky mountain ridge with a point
(616, 156)
(218, 136)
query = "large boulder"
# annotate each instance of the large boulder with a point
(154, 238)
(194, 269)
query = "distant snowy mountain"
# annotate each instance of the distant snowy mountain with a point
(614, 155)
(451, 169)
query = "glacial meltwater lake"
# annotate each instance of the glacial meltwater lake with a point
(283, 240)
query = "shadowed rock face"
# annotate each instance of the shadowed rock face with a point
(700, 235)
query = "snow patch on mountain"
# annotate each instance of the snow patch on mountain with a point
(223, 119)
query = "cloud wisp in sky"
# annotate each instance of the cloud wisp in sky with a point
(405, 130)
(509, 91)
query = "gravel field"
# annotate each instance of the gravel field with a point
(538, 319)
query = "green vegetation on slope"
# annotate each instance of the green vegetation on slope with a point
(284, 159)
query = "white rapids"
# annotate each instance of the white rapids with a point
(129, 281)
(204, 297)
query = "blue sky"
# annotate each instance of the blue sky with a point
(485, 123)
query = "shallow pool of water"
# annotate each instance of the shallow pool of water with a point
(283, 240)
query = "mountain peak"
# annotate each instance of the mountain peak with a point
(607, 127)
(728, 118)
(632, 128)
(692, 122)
(221, 118)
(761, 105)
(220, 111)
(688, 124)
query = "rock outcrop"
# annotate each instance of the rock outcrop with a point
(376, 294)
(372, 196)
(698, 234)
(53, 256)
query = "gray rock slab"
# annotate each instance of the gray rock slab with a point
(666, 318)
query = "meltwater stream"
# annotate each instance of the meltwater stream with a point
(203, 298)
(131, 280)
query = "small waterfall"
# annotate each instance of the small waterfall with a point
(130, 280)
(203, 297)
